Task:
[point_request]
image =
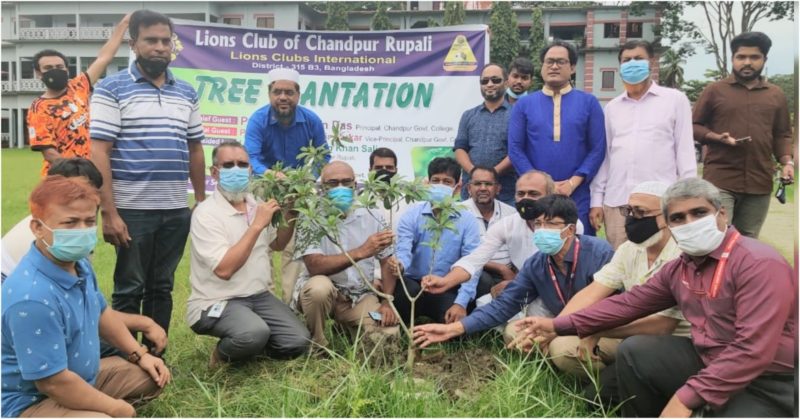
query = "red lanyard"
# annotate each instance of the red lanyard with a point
(570, 278)
(716, 281)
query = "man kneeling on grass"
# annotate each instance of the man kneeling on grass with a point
(330, 285)
(230, 268)
(54, 316)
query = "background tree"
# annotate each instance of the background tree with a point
(453, 13)
(504, 34)
(380, 21)
(337, 16)
(671, 70)
(432, 23)
(693, 88)
(786, 82)
(535, 45)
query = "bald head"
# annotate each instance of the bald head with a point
(337, 173)
(534, 184)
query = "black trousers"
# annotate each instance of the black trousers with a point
(429, 305)
(650, 369)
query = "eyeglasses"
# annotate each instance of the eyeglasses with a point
(287, 92)
(478, 184)
(494, 80)
(548, 224)
(332, 183)
(559, 63)
(636, 212)
(239, 164)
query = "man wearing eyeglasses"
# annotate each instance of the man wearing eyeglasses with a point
(230, 270)
(658, 146)
(559, 130)
(740, 297)
(563, 266)
(482, 134)
(330, 286)
(275, 133)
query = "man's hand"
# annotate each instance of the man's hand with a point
(435, 284)
(115, 231)
(388, 317)
(675, 409)
(158, 336)
(787, 173)
(498, 288)
(455, 313)
(586, 348)
(724, 138)
(122, 409)
(564, 188)
(278, 175)
(375, 244)
(156, 368)
(264, 213)
(596, 217)
(396, 266)
(506, 273)
(530, 328)
(427, 334)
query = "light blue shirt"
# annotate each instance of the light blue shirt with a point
(416, 256)
(51, 322)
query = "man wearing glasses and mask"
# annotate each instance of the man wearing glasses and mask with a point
(482, 137)
(330, 286)
(230, 268)
(740, 297)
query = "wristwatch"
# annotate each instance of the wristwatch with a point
(135, 356)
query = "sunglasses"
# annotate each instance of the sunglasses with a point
(495, 80)
(239, 164)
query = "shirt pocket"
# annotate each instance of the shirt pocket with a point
(721, 317)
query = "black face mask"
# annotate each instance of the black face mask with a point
(529, 209)
(384, 175)
(152, 67)
(55, 79)
(640, 229)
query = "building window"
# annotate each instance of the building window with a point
(267, 22)
(237, 21)
(634, 30)
(608, 80)
(611, 30)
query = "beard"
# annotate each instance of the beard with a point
(754, 75)
(232, 197)
(652, 240)
(493, 97)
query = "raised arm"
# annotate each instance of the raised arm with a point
(108, 51)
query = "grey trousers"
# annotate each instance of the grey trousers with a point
(746, 212)
(256, 324)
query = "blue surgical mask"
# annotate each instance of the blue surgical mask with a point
(234, 179)
(71, 244)
(549, 240)
(342, 197)
(634, 71)
(438, 192)
(514, 95)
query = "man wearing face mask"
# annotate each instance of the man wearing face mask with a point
(520, 79)
(658, 146)
(58, 120)
(563, 266)
(230, 268)
(414, 256)
(331, 286)
(482, 134)
(146, 142)
(649, 247)
(740, 297)
(54, 316)
(744, 123)
(383, 162)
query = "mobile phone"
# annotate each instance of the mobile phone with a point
(375, 316)
(748, 139)
(780, 194)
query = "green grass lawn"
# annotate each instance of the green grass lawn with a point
(502, 385)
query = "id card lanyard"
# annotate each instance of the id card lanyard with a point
(570, 278)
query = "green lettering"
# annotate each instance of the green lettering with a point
(348, 86)
(362, 96)
(253, 90)
(236, 90)
(309, 97)
(329, 93)
(424, 95)
(405, 94)
(390, 96)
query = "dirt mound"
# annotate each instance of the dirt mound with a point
(458, 374)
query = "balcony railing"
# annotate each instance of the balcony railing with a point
(23, 86)
(8, 86)
(5, 139)
(87, 33)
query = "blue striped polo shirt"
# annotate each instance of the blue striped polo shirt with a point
(150, 128)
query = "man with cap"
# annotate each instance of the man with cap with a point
(275, 133)
(649, 247)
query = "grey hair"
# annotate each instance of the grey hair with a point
(550, 186)
(227, 143)
(691, 188)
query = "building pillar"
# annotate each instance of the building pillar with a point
(588, 67)
(12, 128)
(656, 65)
(20, 129)
(623, 28)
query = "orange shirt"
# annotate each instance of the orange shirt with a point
(62, 122)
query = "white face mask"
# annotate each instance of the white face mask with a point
(700, 237)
